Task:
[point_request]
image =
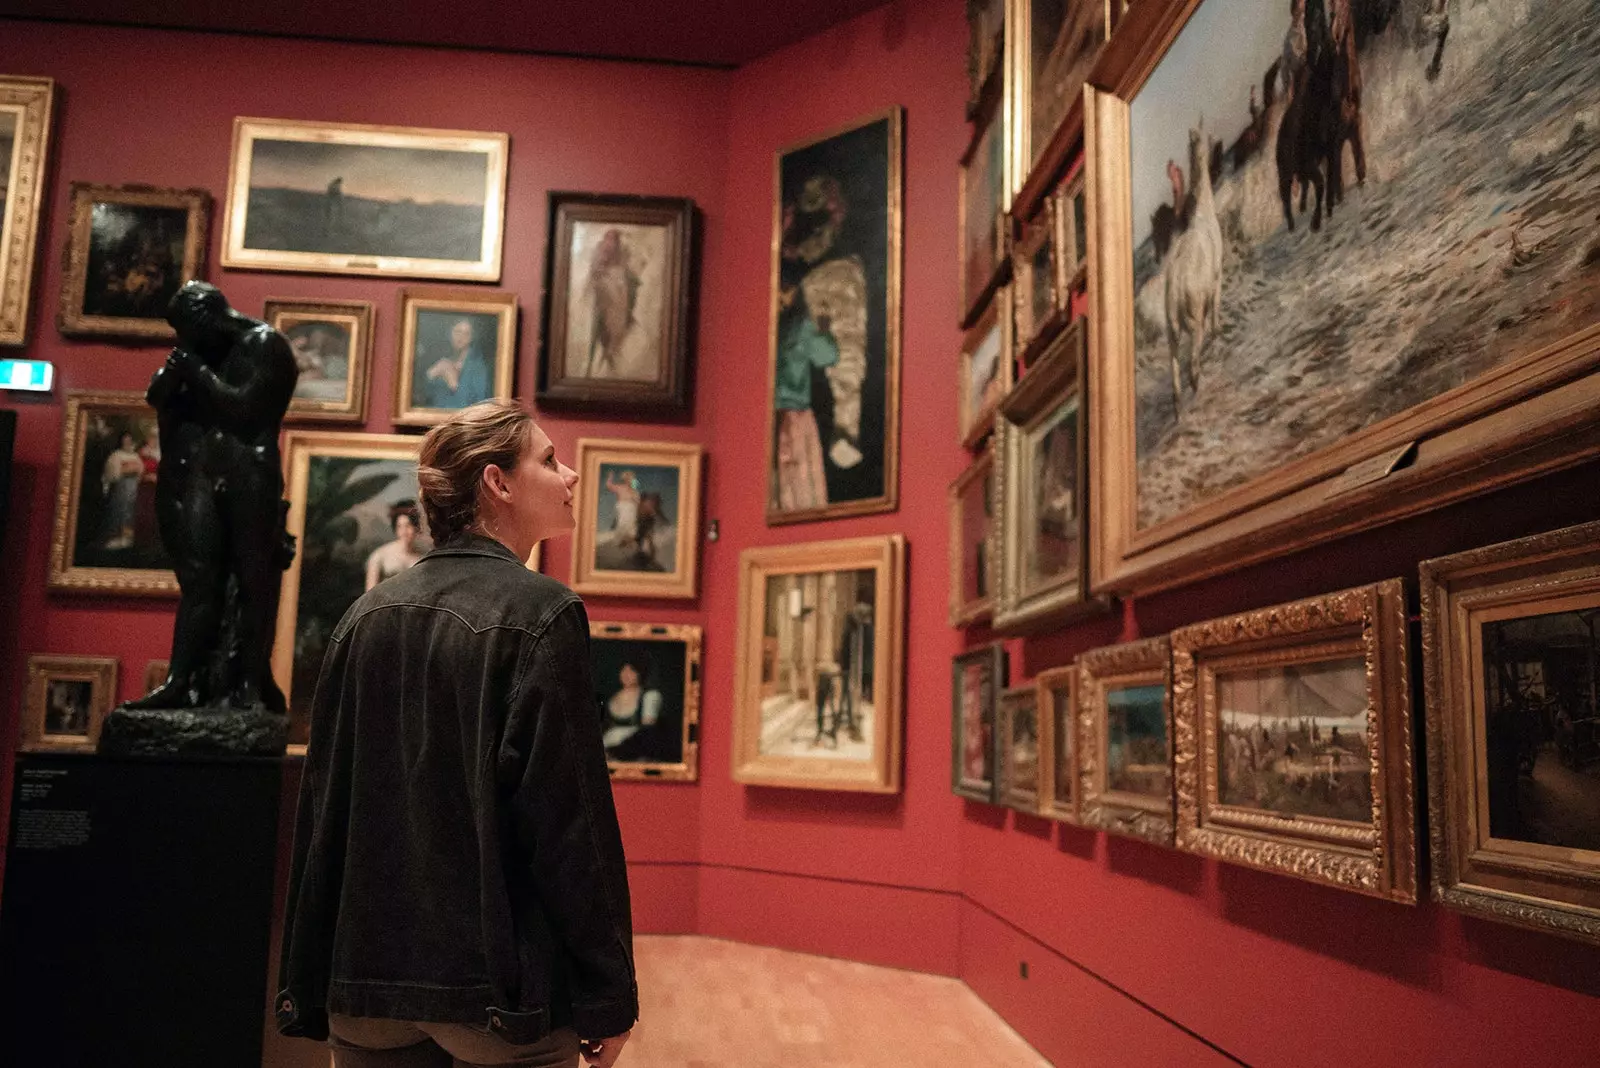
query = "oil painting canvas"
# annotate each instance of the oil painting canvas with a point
(1541, 724)
(820, 628)
(637, 515)
(647, 690)
(983, 196)
(1341, 210)
(615, 316)
(1136, 741)
(1293, 740)
(1063, 40)
(366, 200)
(834, 441)
(332, 346)
(1051, 545)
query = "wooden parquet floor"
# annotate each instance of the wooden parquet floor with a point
(706, 1003)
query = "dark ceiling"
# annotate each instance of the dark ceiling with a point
(722, 33)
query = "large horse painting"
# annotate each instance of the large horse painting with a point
(1339, 211)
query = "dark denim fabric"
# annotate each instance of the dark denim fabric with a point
(456, 853)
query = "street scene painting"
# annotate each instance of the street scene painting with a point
(1541, 728)
(1293, 740)
(1137, 754)
(818, 691)
(1342, 209)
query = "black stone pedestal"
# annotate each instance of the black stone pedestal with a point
(136, 912)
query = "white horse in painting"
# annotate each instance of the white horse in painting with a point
(1194, 270)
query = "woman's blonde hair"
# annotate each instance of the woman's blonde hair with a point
(454, 455)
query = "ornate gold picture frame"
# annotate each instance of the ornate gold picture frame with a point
(647, 684)
(1056, 43)
(1213, 448)
(1057, 700)
(638, 510)
(1017, 750)
(973, 542)
(1041, 434)
(105, 538)
(1510, 660)
(68, 698)
(821, 665)
(332, 343)
(1070, 211)
(27, 108)
(346, 198)
(987, 369)
(128, 250)
(1124, 740)
(983, 260)
(1292, 729)
(457, 347)
(1040, 302)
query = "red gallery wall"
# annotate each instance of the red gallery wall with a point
(1136, 955)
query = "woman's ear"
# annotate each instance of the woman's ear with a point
(495, 483)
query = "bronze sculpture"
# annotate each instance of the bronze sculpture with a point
(220, 399)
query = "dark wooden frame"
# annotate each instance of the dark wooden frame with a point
(672, 393)
(999, 667)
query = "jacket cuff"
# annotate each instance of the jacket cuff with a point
(296, 1019)
(603, 1019)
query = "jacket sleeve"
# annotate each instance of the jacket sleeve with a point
(566, 823)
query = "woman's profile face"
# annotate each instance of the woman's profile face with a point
(541, 490)
(405, 531)
(628, 676)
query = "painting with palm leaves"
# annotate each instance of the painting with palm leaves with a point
(354, 508)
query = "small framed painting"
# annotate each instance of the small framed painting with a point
(1017, 748)
(820, 665)
(1041, 303)
(344, 198)
(1511, 655)
(67, 701)
(1057, 702)
(129, 248)
(647, 688)
(457, 347)
(1069, 211)
(1043, 564)
(638, 509)
(332, 344)
(1292, 740)
(1125, 740)
(982, 204)
(987, 372)
(106, 538)
(26, 110)
(619, 305)
(972, 543)
(976, 678)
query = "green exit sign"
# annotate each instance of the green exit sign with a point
(33, 376)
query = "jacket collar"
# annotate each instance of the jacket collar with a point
(470, 544)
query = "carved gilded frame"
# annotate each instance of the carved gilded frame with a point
(885, 556)
(1546, 888)
(1058, 742)
(681, 579)
(686, 769)
(1100, 672)
(66, 574)
(71, 318)
(1016, 788)
(30, 103)
(976, 420)
(356, 316)
(966, 611)
(417, 299)
(1532, 414)
(100, 672)
(1029, 411)
(1037, 153)
(992, 667)
(1377, 857)
(1035, 277)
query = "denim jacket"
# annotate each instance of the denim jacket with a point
(456, 850)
